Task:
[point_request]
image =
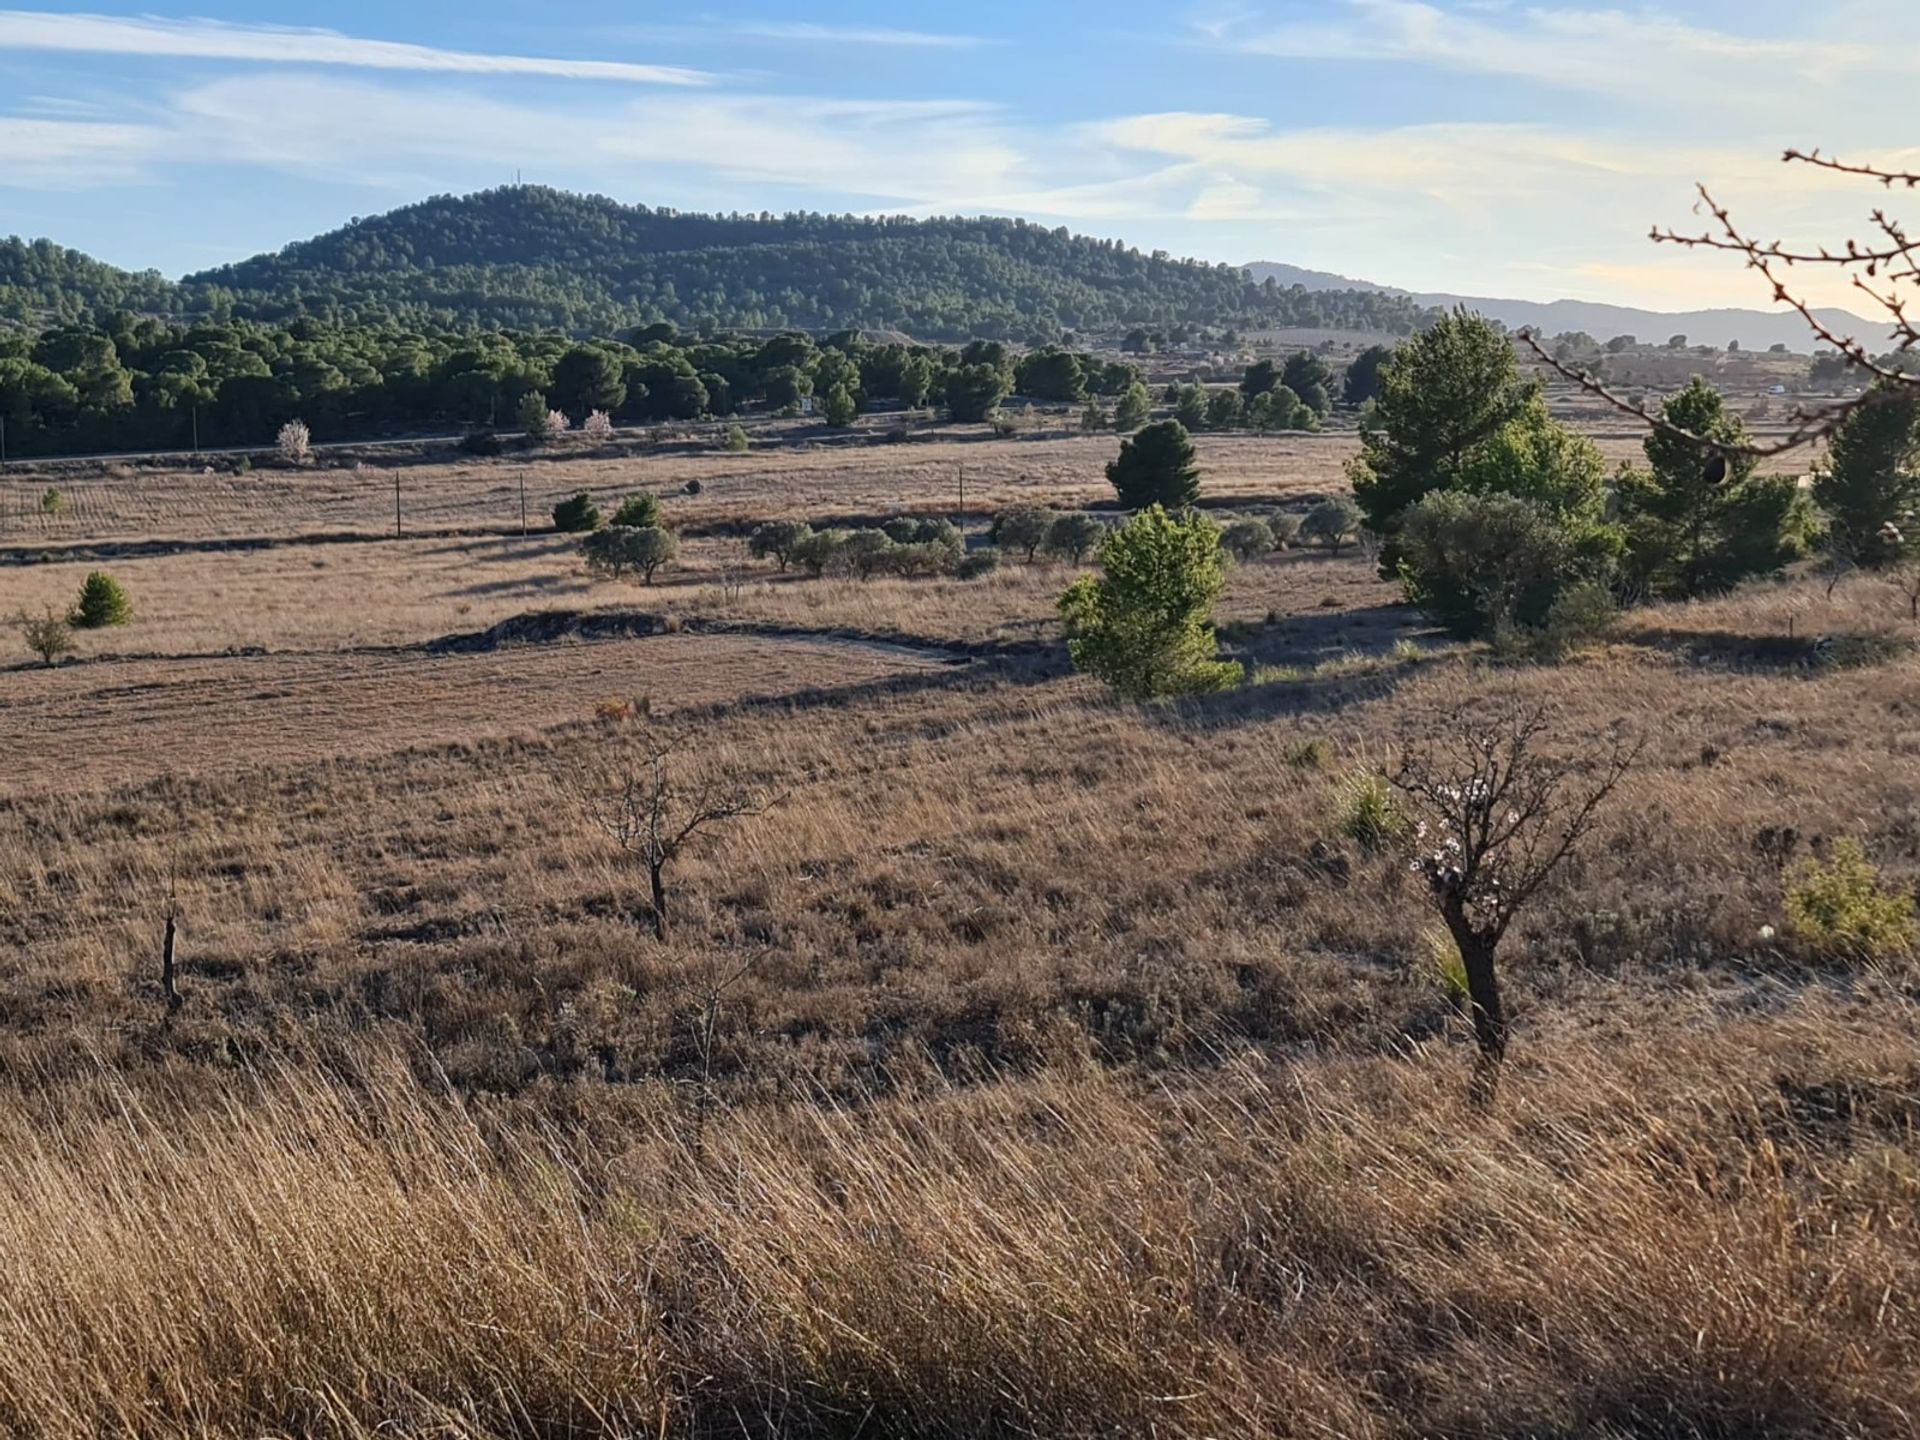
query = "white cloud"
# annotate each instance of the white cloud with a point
(1465, 206)
(273, 44)
(72, 154)
(908, 153)
(1846, 77)
(856, 35)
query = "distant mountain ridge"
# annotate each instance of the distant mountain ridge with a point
(1754, 329)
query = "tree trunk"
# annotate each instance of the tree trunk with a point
(167, 986)
(656, 873)
(1483, 989)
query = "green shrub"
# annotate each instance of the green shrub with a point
(1696, 524)
(102, 603)
(1478, 564)
(839, 407)
(1368, 812)
(1582, 614)
(637, 512)
(1841, 910)
(480, 442)
(52, 502)
(577, 515)
(978, 565)
(1447, 967)
(1145, 626)
(1308, 754)
(736, 439)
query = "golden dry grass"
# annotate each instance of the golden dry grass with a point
(1082, 1080)
(857, 477)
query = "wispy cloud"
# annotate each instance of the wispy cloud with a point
(733, 148)
(1609, 52)
(32, 30)
(856, 35)
(40, 154)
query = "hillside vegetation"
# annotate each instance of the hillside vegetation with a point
(530, 257)
(42, 283)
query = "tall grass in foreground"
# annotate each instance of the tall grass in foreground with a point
(1649, 1238)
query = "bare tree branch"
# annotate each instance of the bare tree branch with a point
(649, 813)
(1895, 257)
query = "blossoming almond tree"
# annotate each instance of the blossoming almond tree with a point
(294, 442)
(1494, 817)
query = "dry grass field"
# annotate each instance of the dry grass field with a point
(788, 474)
(1036, 1065)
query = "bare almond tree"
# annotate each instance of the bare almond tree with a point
(1494, 817)
(1879, 268)
(653, 815)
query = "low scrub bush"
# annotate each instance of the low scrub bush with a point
(1500, 565)
(978, 565)
(1246, 539)
(1369, 813)
(1840, 908)
(1308, 754)
(47, 635)
(637, 512)
(577, 515)
(1285, 528)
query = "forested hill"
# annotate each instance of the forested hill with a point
(45, 284)
(528, 257)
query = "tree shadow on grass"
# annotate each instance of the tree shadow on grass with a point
(1317, 637)
(543, 585)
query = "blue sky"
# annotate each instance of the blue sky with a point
(1467, 145)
